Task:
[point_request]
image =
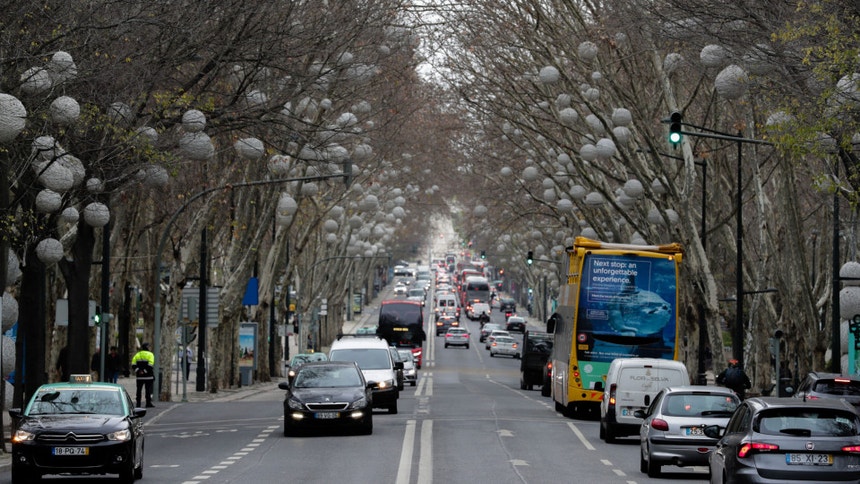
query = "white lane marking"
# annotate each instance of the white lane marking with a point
(581, 437)
(619, 472)
(518, 462)
(505, 433)
(404, 469)
(420, 387)
(428, 389)
(425, 460)
(606, 462)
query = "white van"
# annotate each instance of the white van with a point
(374, 360)
(631, 384)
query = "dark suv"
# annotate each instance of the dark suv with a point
(507, 304)
(819, 385)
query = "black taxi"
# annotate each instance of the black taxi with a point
(78, 427)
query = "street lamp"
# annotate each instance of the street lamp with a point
(163, 241)
(737, 333)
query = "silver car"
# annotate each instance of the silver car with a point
(457, 337)
(672, 430)
(410, 372)
(788, 440)
(505, 345)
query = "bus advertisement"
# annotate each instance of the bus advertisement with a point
(401, 324)
(620, 300)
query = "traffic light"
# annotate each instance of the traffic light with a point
(530, 257)
(675, 128)
(483, 254)
(97, 316)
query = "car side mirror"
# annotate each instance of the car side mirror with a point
(284, 385)
(647, 400)
(598, 386)
(16, 413)
(139, 412)
(713, 431)
(371, 385)
(640, 413)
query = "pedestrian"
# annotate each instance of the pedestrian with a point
(62, 365)
(310, 342)
(112, 365)
(143, 363)
(185, 357)
(95, 363)
(734, 378)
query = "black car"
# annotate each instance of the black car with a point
(819, 385)
(507, 304)
(78, 428)
(328, 394)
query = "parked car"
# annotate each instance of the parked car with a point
(787, 440)
(487, 329)
(457, 337)
(410, 371)
(492, 336)
(516, 323)
(819, 385)
(505, 345)
(327, 394)
(673, 426)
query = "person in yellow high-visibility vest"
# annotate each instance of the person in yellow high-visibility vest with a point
(143, 363)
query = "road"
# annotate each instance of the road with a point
(465, 421)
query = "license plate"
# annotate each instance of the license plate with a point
(326, 415)
(809, 459)
(693, 431)
(71, 451)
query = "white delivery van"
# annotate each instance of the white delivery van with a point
(374, 359)
(631, 384)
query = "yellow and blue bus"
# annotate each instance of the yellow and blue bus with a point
(620, 300)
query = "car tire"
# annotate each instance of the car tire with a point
(492, 354)
(138, 471)
(367, 428)
(522, 384)
(517, 357)
(290, 431)
(545, 390)
(467, 347)
(653, 469)
(602, 433)
(446, 345)
(609, 434)
(126, 474)
(392, 409)
(643, 464)
(413, 383)
(23, 476)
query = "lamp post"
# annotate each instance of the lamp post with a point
(163, 241)
(737, 329)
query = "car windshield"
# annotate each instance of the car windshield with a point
(490, 327)
(367, 358)
(405, 355)
(327, 377)
(699, 405)
(836, 387)
(457, 331)
(504, 339)
(808, 422)
(70, 401)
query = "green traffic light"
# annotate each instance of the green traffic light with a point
(676, 120)
(674, 138)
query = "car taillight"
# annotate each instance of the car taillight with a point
(612, 394)
(494, 343)
(851, 448)
(448, 335)
(811, 397)
(842, 380)
(438, 323)
(659, 424)
(515, 345)
(750, 447)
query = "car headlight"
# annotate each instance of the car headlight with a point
(385, 384)
(360, 403)
(23, 436)
(295, 404)
(120, 435)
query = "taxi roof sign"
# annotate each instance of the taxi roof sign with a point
(82, 378)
